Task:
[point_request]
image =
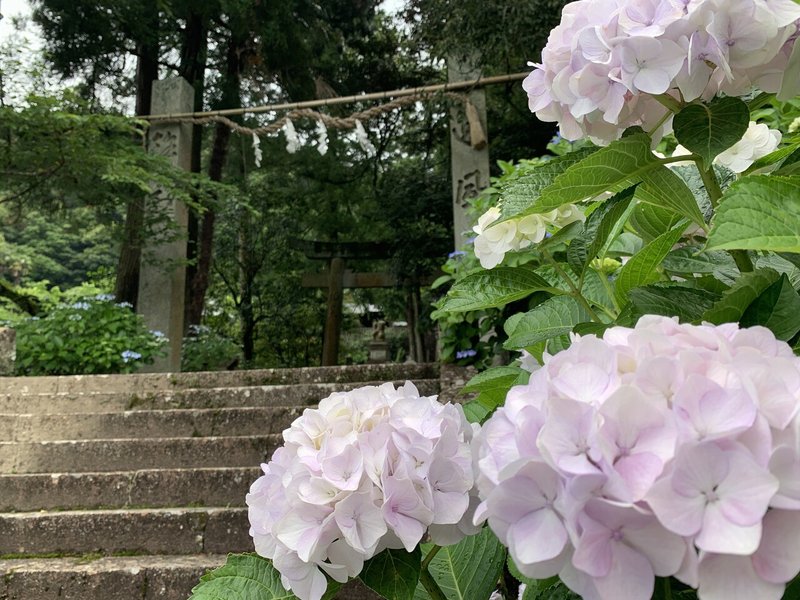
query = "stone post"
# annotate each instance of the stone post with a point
(163, 270)
(469, 151)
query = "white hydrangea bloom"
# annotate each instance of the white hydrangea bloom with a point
(494, 239)
(369, 469)
(759, 140)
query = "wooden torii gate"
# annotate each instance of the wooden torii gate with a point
(337, 278)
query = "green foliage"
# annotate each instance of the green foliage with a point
(623, 163)
(760, 212)
(393, 573)
(467, 570)
(245, 577)
(641, 268)
(88, 336)
(207, 350)
(636, 253)
(709, 129)
(522, 187)
(490, 289)
(551, 318)
(670, 300)
(36, 247)
(56, 155)
(493, 384)
(777, 308)
(601, 225)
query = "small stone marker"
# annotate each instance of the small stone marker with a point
(469, 151)
(163, 270)
(378, 346)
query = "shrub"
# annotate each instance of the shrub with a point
(92, 335)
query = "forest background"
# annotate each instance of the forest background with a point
(74, 176)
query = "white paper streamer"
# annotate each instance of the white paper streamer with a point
(322, 138)
(257, 150)
(292, 140)
(363, 139)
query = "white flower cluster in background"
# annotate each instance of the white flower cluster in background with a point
(664, 450)
(373, 468)
(606, 60)
(495, 240)
(758, 141)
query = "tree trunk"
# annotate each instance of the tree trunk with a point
(231, 98)
(246, 313)
(194, 55)
(126, 287)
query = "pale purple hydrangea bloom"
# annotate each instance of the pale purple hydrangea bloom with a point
(369, 469)
(662, 450)
(606, 60)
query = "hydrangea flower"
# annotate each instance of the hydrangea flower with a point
(607, 59)
(129, 355)
(495, 238)
(369, 469)
(759, 140)
(662, 450)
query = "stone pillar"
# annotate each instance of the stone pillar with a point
(469, 151)
(163, 269)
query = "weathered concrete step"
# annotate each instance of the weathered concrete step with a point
(87, 456)
(151, 382)
(107, 578)
(304, 394)
(119, 578)
(153, 488)
(137, 531)
(141, 424)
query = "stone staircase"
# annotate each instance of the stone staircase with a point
(130, 487)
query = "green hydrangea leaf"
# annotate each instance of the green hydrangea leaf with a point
(243, 577)
(760, 212)
(777, 308)
(734, 302)
(468, 570)
(551, 318)
(709, 129)
(618, 166)
(641, 268)
(393, 573)
(492, 288)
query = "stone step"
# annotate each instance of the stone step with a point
(87, 456)
(127, 531)
(105, 578)
(67, 402)
(119, 578)
(150, 382)
(141, 424)
(153, 488)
